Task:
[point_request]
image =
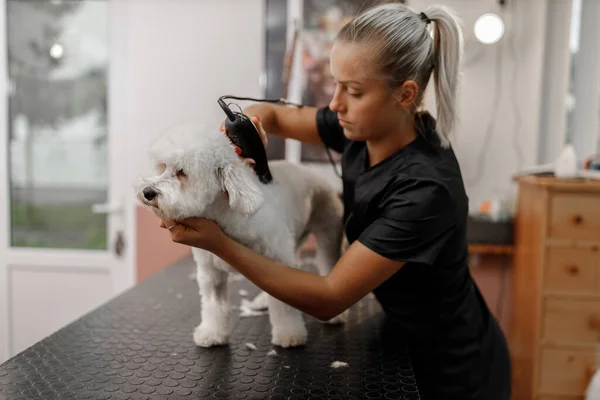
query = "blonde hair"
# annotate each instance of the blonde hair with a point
(404, 49)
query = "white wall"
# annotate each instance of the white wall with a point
(183, 55)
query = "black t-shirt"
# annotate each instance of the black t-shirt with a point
(412, 207)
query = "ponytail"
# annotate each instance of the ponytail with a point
(447, 40)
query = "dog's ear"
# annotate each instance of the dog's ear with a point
(244, 195)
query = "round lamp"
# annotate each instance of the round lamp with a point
(489, 28)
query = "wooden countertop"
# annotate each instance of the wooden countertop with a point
(560, 184)
(490, 249)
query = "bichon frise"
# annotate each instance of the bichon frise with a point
(199, 174)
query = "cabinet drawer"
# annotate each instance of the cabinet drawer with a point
(574, 216)
(572, 322)
(566, 372)
(573, 269)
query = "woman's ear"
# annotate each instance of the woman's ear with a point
(407, 94)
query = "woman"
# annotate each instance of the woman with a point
(405, 203)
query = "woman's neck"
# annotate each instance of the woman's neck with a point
(382, 148)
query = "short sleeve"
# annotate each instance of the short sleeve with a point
(330, 130)
(417, 218)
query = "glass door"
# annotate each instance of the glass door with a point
(63, 242)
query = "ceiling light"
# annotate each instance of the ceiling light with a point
(489, 28)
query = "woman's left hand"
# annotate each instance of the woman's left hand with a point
(196, 232)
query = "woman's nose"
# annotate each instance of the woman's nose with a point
(336, 103)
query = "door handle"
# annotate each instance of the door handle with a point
(119, 244)
(113, 208)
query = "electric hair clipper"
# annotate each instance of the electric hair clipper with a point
(244, 135)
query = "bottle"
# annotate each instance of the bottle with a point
(565, 165)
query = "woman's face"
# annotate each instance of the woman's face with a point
(366, 108)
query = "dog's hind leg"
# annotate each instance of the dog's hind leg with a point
(258, 303)
(215, 322)
(261, 301)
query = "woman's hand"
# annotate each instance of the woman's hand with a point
(263, 136)
(254, 112)
(196, 232)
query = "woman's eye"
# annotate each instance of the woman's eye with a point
(357, 95)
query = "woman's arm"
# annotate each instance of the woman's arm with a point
(358, 272)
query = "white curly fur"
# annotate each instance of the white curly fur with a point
(200, 174)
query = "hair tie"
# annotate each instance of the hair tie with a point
(425, 18)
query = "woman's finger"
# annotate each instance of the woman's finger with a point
(167, 224)
(195, 223)
(249, 161)
(261, 131)
(181, 233)
(175, 233)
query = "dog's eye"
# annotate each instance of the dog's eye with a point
(161, 168)
(181, 173)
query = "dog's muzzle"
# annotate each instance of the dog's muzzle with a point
(149, 193)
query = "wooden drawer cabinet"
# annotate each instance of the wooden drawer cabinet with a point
(574, 216)
(565, 372)
(558, 397)
(555, 325)
(571, 322)
(572, 269)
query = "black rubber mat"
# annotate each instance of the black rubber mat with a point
(139, 346)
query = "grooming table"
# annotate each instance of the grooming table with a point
(139, 346)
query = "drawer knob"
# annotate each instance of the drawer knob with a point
(594, 322)
(572, 269)
(577, 219)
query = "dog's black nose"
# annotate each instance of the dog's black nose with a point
(149, 193)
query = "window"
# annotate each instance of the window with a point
(57, 122)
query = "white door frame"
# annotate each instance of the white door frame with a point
(4, 210)
(121, 206)
(586, 82)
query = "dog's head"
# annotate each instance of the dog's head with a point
(193, 168)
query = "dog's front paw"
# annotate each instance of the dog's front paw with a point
(339, 319)
(286, 337)
(209, 336)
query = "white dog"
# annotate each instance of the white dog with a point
(199, 174)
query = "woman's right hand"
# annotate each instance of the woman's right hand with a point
(261, 132)
(254, 112)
